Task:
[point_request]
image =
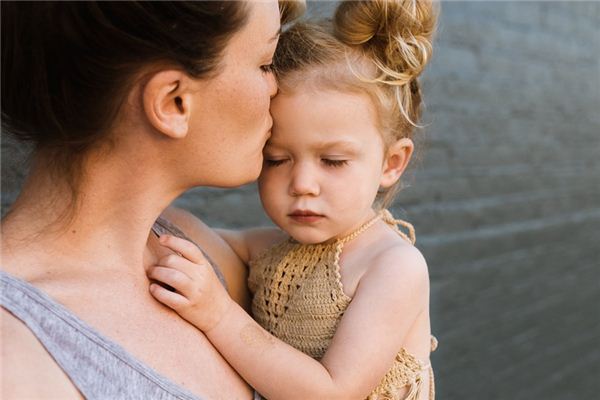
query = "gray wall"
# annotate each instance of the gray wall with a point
(505, 199)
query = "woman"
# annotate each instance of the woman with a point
(128, 105)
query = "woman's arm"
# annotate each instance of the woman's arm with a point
(389, 298)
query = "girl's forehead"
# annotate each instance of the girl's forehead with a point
(323, 111)
(317, 143)
(323, 123)
(325, 104)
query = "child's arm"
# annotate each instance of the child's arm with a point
(248, 243)
(387, 301)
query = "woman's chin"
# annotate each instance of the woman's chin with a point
(253, 174)
(249, 176)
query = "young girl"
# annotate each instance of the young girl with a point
(341, 299)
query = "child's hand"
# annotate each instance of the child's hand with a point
(200, 297)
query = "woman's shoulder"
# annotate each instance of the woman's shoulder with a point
(189, 224)
(217, 249)
(201, 234)
(25, 358)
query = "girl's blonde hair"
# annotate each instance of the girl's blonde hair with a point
(377, 47)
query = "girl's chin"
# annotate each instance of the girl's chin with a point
(312, 239)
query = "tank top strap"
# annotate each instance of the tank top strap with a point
(389, 219)
(98, 367)
(162, 226)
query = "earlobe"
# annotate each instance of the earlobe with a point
(167, 103)
(396, 161)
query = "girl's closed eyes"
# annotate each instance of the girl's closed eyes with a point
(328, 162)
(336, 163)
(274, 162)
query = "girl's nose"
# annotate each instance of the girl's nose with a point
(303, 182)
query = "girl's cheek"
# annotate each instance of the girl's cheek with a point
(265, 181)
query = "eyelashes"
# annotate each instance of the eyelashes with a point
(328, 162)
(267, 68)
(334, 163)
(274, 163)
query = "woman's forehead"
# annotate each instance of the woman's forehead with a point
(263, 25)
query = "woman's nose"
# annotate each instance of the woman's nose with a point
(303, 182)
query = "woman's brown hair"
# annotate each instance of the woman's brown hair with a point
(67, 67)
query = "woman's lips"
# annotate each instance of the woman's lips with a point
(268, 131)
(306, 217)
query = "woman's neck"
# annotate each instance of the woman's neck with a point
(108, 229)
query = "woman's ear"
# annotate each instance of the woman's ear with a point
(395, 162)
(167, 102)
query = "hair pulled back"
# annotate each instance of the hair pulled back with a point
(67, 67)
(377, 47)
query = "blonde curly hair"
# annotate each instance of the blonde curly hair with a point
(377, 47)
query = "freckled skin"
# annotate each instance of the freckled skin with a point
(255, 337)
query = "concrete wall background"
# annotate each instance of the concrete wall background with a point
(505, 199)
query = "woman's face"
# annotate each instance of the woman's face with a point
(233, 122)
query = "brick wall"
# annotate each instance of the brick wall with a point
(505, 199)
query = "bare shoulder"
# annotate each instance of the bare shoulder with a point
(261, 239)
(27, 370)
(189, 224)
(401, 257)
(249, 243)
(216, 247)
(399, 268)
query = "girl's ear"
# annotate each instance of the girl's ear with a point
(395, 162)
(167, 102)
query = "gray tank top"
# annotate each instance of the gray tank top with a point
(97, 366)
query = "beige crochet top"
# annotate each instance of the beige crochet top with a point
(298, 297)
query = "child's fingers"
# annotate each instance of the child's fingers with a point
(168, 298)
(172, 277)
(184, 247)
(189, 268)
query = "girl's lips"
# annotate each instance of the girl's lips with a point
(306, 217)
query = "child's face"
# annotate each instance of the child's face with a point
(323, 164)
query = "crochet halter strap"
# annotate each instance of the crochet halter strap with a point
(387, 217)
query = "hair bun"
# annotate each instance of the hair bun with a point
(395, 34)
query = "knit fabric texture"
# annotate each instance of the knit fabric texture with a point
(298, 297)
